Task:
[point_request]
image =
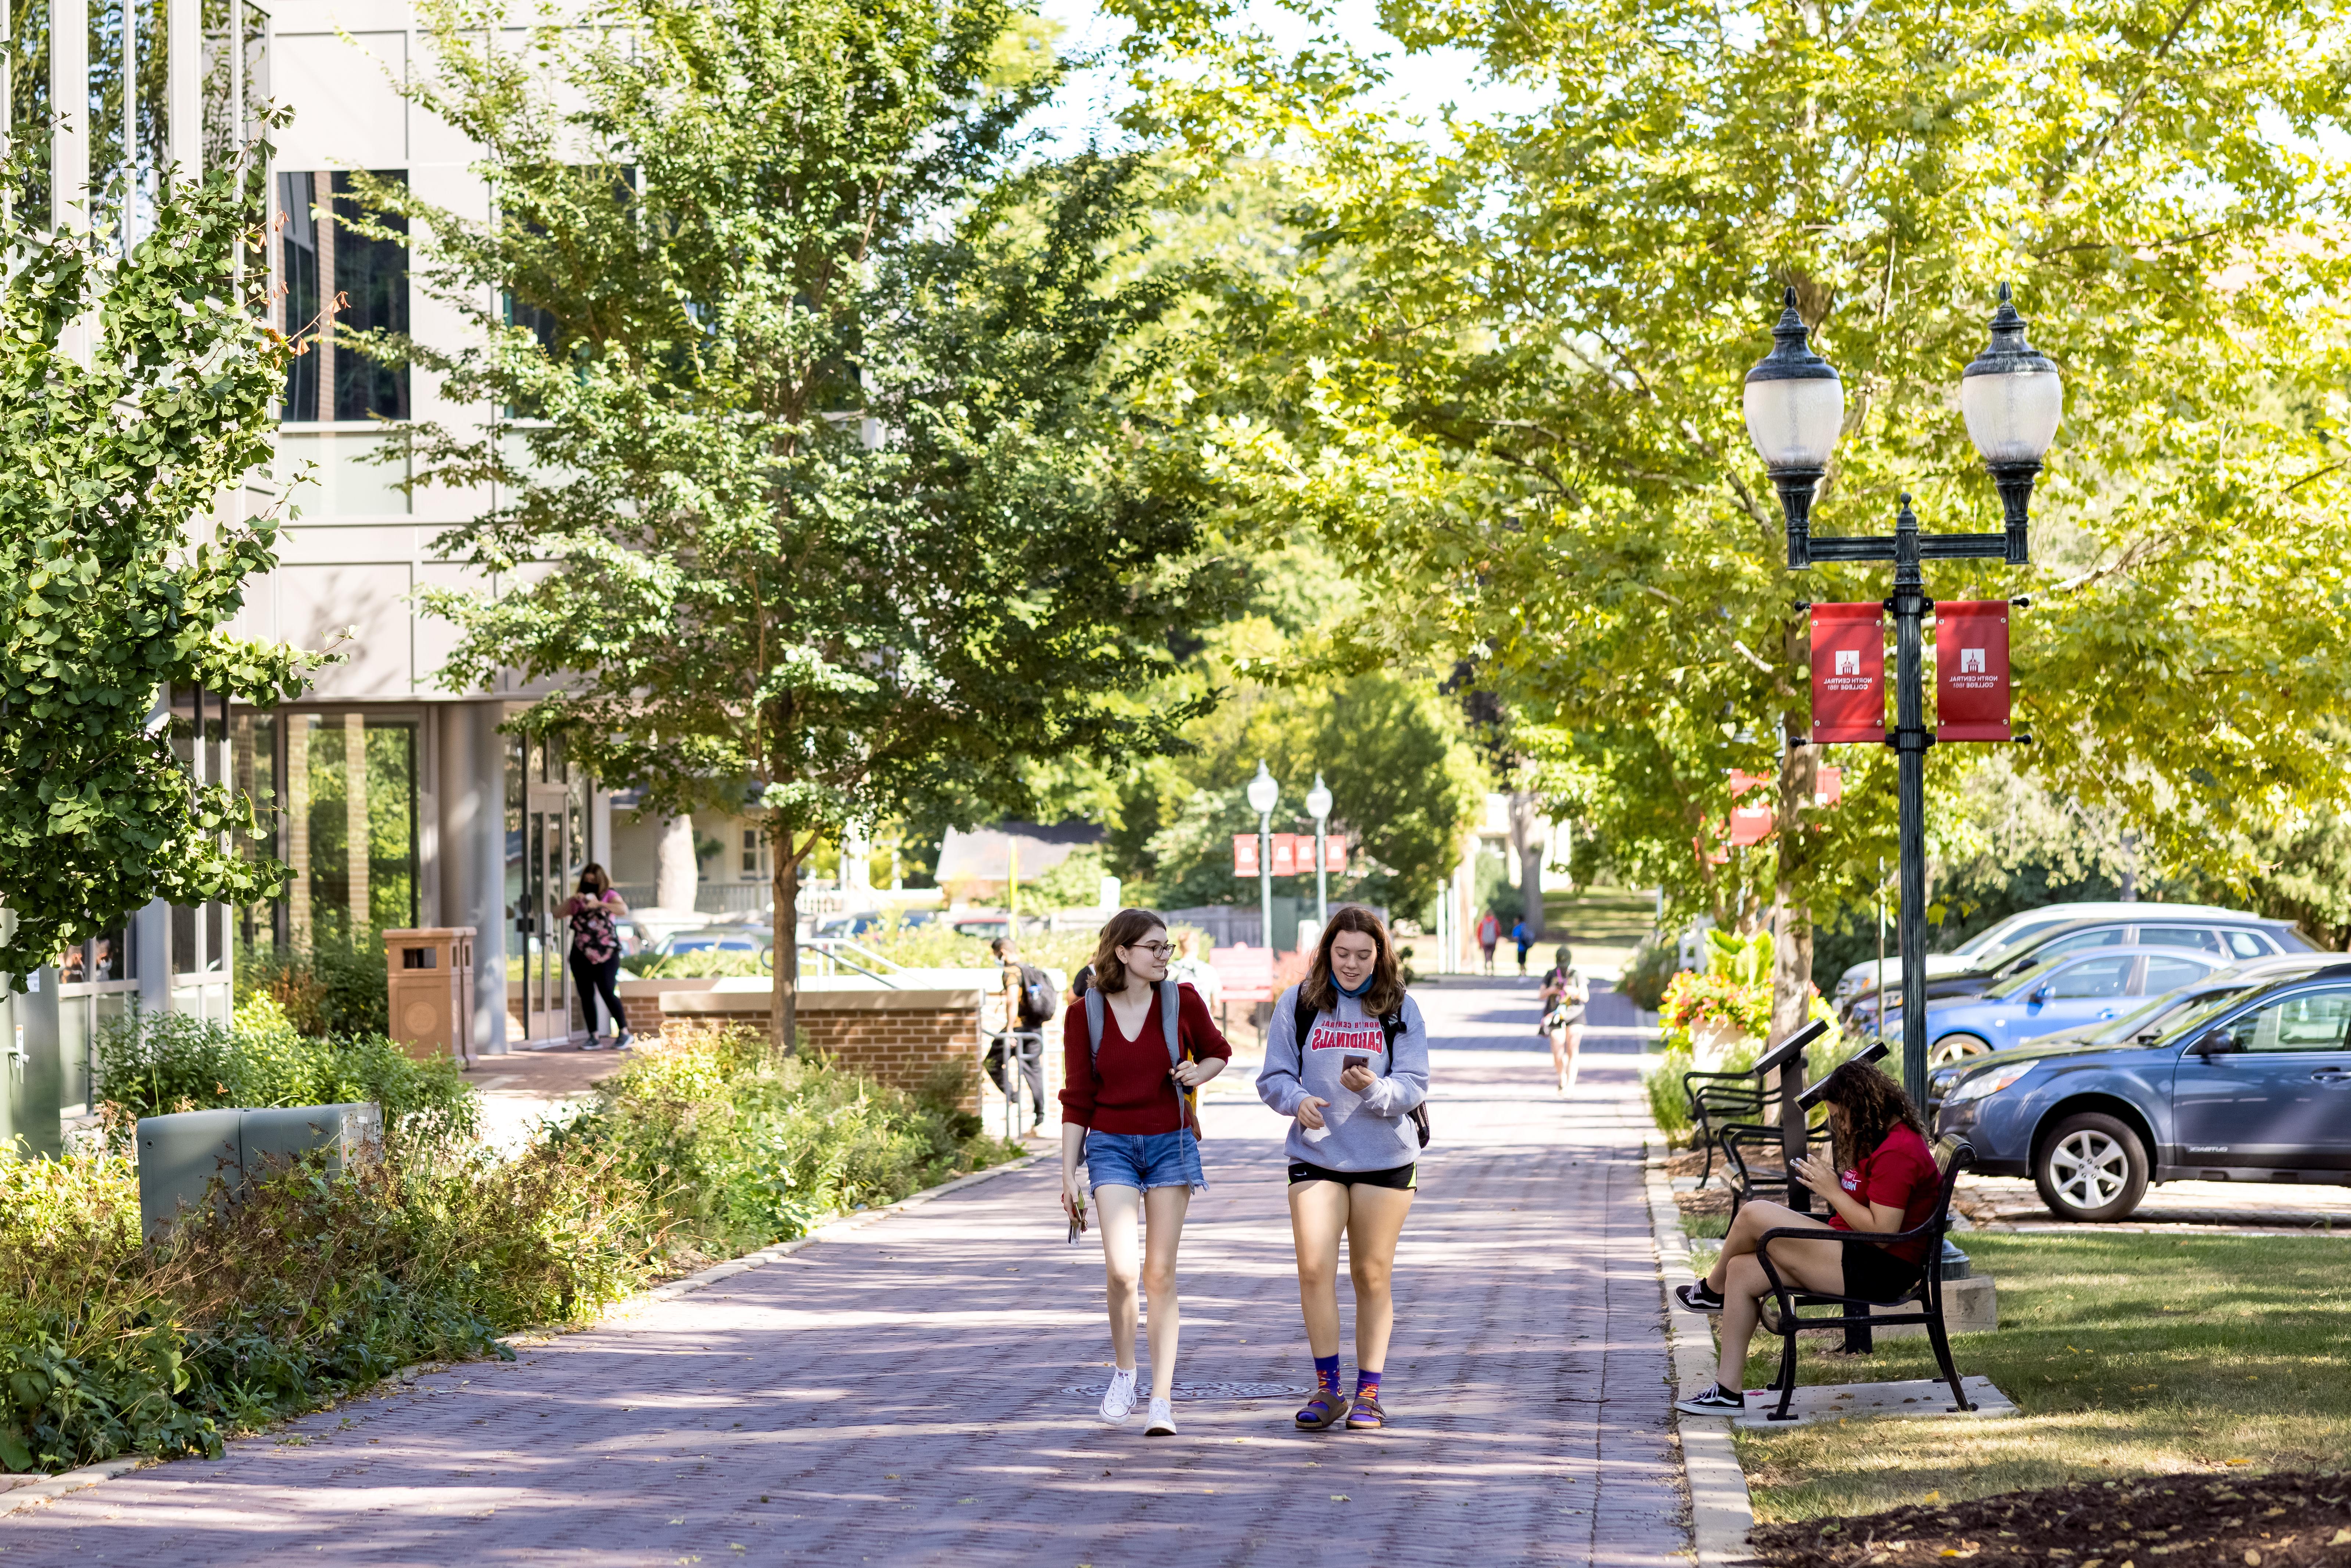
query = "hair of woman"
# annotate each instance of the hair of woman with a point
(1387, 993)
(1124, 929)
(593, 879)
(1872, 1104)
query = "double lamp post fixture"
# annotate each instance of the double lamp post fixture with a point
(2011, 398)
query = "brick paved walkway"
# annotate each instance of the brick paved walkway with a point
(900, 1395)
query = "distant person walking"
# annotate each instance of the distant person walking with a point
(1346, 1059)
(1029, 1004)
(1892, 1185)
(1138, 1047)
(595, 957)
(1566, 993)
(1490, 932)
(1524, 935)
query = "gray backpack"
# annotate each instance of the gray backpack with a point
(1169, 1004)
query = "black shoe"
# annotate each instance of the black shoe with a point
(1697, 1297)
(1712, 1400)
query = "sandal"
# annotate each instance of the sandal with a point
(1367, 1416)
(1326, 1410)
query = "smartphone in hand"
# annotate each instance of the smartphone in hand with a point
(1347, 1061)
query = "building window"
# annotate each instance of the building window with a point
(372, 275)
(298, 269)
(347, 817)
(322, 256)
(27, 53)
(751, 856)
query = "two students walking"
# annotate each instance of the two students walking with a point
(1346, 1060)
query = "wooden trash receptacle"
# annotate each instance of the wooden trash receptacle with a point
(430, 972)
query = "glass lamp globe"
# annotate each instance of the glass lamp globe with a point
(1263, 791)
(2010, 394)
(1795, 402)
(1318, 799)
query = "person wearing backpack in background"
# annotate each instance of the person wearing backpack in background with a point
(1354, 1144)
(1029, 1006)
(1138, 1046)
(1489, 931)
(1524, 935)
(1566, 993)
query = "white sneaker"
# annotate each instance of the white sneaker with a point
(1162, 1420)
(1118, 1399)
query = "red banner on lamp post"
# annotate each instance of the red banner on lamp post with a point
(1286, 857)
(1972, 685)
(1244, 855)
(1848, 673)
(1830, 788)
(1743, 781)
(1334, 854)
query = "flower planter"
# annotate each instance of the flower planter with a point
(1711, 1040)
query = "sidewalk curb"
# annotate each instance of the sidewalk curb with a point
(72, 1480)
(831, 1229)
(90, 1475)
(1721, 1512)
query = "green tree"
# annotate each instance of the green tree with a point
(136, 391)
(846, 484)
(1511, 370)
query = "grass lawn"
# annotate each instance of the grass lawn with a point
(2127, 1355)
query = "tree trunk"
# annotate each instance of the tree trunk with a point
(677, 876)
(783, 1009)
(1791, 946)
(1524, 807)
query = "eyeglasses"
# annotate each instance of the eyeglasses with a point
(1156, 949)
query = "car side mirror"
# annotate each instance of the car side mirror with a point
(2219, 1042)
(2040, 995)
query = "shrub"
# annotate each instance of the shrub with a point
(309, 1287)
(150, 1064)
(335, 988)
(741, 1146)
(1643, 981)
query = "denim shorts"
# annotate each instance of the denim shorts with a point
(1145, 1160)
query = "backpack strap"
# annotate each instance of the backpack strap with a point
(1093, 1001)
(1302, 1014)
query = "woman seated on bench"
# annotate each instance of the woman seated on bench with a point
(1893, 1187)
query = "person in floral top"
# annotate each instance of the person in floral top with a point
(596, 953)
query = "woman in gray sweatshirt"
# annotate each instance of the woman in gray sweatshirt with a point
(1346, 1059)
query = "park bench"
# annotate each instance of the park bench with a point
(1856, 1316)
(1729, 1108)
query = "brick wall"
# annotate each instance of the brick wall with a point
(899, 1036)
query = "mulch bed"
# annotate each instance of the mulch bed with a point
(2282, 1521)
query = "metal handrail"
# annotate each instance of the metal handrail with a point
(838, 961)
(831, 944)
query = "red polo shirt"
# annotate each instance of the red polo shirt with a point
(1125, 1088)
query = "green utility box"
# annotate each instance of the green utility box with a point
(179, 1155)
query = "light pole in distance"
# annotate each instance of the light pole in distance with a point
(1263, 793)
(1317, 806)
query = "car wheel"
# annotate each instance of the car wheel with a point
(2092, 1168)
(1954, 1047)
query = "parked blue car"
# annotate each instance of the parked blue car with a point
(2066, 993)
(2255, 1086)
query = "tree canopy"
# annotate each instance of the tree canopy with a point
(843, 478)
(1505, 384)
(137, 389)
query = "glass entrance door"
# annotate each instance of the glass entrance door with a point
(546, 937)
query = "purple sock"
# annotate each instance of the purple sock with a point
(1326, 1373)
(1367, 1385)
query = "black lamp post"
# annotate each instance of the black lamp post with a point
(2011, 398)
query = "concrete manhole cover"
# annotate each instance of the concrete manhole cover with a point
(1203, 1390)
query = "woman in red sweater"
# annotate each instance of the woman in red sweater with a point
(1127, 1111)
(1892, 1186)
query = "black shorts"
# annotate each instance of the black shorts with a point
(1402, 1178)
(1876, 1275)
